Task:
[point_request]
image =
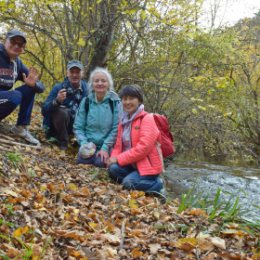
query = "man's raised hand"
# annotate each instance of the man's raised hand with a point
(32, 77)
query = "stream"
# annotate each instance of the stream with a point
(207, 178)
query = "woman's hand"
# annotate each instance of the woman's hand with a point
(103, 155)
(111, 160)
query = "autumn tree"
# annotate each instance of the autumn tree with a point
(204, 80)
(68, 29)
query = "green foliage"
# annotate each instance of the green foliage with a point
(4, 257)
(3, 222)
(186, 201)
(206, 81)
(10, 209)
(14, 158)
(228, 210)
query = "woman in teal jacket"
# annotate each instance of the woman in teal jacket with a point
(97, 119)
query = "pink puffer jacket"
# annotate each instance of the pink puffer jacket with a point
(145, 151)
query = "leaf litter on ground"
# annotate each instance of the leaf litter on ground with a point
(52, 208)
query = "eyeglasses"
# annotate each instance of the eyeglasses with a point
(14, 42)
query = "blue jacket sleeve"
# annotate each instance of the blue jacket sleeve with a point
(111, 137)
(39, 87)
(49, 104)
(80, 124)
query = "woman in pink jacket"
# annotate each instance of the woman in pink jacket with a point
(136, 160)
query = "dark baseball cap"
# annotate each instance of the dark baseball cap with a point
(74, 63)
(16, 33)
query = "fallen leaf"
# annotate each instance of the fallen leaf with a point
(112, 239)
(154, 248)
(133, 204)
(210, 256)
(198, 212)
(156, 214)
(186, 244)
(110, 227)
(7, 191)
(20, 231)
(233, 233)
(218, 242)
(93, 225)
(136, 233)
(72, 186)
(110, 252)
(12, 252)
(256, 256)
(205, 244)
(84, 192)
(136, 194)
(136, 253)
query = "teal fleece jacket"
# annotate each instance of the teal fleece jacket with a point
(99, 125)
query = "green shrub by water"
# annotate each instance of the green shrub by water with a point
(228, 210)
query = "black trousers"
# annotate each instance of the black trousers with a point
(61, 125)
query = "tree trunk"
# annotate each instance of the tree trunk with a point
(104, 35)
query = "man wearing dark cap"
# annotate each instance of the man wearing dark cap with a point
(61, 105)
(11, 70)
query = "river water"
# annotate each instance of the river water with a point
(207, 178)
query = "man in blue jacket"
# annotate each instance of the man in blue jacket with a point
(11, 70)
(61, 105)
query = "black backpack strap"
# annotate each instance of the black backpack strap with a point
(111, 104)
(87, 106)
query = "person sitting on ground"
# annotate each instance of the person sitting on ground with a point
(60, 107)
(96, 122)
(136, 160)
(11, 70)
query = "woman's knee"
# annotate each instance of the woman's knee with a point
(129, 184)
(113, 168)
(114, 173)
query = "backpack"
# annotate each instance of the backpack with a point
(166, 139)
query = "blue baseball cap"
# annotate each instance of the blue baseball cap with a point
(16, 33)
(74, 63)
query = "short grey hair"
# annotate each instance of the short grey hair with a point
(106, 73)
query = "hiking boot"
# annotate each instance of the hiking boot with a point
(25, 134)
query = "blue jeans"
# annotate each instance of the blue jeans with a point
(9, 100)
(130, 178)
(94, 160)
